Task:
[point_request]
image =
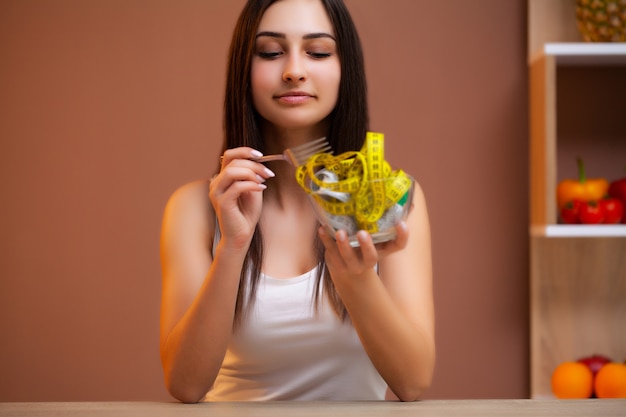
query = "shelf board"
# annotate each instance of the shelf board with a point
(586, 53)
(576, 230)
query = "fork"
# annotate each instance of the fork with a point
(298, 155)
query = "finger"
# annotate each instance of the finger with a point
(233, 174)
(329, 242)
(326, 239)
(347, 252)
(399, 242)
(369, 255)
(331, 254)
(256, 167)
(232, 195)
(243, 152)
(402, 235)
(244, 169)
(233, 182)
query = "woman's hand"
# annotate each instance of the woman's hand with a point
(342, 259)
(392, 308)
(236, 194)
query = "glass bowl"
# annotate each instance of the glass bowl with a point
(377, 206)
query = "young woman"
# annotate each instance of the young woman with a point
(259, 302)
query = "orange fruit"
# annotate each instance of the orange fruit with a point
(611, 381)
(572, 380)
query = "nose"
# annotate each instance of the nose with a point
(294, 70)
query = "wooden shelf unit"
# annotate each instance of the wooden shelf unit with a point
(543, 115)
(578, 272)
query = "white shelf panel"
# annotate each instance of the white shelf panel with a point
(575, 230)
(587, 53)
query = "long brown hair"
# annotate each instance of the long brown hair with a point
(348, 122)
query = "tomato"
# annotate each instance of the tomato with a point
(590, 213)
(569, 212)
(613, 210)
(617, 189)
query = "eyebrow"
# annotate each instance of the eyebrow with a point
(306, 37)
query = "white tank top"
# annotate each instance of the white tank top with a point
(286, 350)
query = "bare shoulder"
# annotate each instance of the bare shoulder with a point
(418, 221)
(419, 199)
(191, 193)
(188, 214)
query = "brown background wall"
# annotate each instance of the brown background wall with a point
(106, 106)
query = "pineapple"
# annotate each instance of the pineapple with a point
(602, 20)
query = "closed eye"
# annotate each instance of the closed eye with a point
(319, 55)
(269, 55)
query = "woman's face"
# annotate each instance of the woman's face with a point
(295, 69)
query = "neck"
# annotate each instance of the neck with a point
(283, 189)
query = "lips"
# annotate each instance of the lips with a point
(294, 97)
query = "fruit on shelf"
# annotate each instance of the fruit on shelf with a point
(572, 380)
(569, 212)
(590, 212)
(601, 20)
(605, 211)
(591, 200)
(582, 188)
(613, 209)
(595, 362)
(610, 381)
(617, 189)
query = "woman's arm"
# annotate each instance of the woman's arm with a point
(198, 295)
(199, 292)
(394, 313)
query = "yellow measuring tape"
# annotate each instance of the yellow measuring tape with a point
(360, 184)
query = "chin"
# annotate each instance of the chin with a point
(291, 123)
